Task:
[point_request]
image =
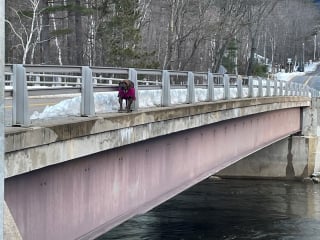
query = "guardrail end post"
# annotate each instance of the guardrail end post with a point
(133, 76)
(250, 83)
(226, 84)
(210, 87)
(166, 96)
(20, 104)
(281, 88)
(275, 90)
(191, 88)
(260, 90)
(239, 87)
(87, 96)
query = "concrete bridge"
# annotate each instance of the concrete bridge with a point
(78, 178)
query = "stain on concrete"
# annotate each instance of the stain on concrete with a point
(290, 173)
(73, 130)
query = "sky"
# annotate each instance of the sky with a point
(108, 101)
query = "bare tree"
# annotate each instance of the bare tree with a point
(186, 30)
(257, 11)
(284, 30)
(44, 34)
(56, 39)
(28, 35)
(229, 19)
(175, 34)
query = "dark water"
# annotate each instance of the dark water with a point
(231, 209)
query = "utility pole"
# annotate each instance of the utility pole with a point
(303, 56)
(314, 47)
(2, 59)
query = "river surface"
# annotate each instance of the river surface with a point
(231, 209)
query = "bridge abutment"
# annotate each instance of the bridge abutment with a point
(311, 130)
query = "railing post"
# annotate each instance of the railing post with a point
(268, 88)
(166, 96)
(133, 76)
(295, 87)
(281, 88)
(87, 98)
(226, 84)
(210, 87)
(260, 92)
(275, 89)
(299, 90)
(37, 81)
(20, 105)
(95, 81)
(286, 89)
(292, 89)
(250, 85)
(306, 91)
(309, 92)
(239, 88)
(191, 89)
(57, 81)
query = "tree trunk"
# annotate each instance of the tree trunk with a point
(169, 51)
(44, 36)
(78, 35)
(251, 58)
(70, 38)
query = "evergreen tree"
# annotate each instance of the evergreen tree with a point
(120, 36)
(229, 60)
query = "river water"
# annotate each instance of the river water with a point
(231, 209)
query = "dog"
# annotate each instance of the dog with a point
(126, 92)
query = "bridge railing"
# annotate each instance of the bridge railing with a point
(23, 81)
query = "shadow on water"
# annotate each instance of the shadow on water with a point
(231, 209)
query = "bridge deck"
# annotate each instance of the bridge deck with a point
(65, 139)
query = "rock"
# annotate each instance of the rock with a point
(308, 180)
(315, 174)
(315, 179)
(215, 178)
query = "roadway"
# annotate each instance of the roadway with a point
(35, 104)
(311, 79)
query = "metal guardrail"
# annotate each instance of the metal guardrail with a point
(35, 80)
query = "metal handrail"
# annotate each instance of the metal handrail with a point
(87, 80)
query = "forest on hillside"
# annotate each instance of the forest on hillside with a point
(197, 35)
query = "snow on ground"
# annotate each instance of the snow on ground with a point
(288, 76)
(108, 101)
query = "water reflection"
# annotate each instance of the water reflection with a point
(231, 209)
